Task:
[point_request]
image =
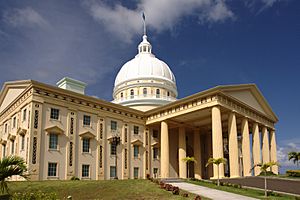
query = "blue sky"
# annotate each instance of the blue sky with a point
(205, 43)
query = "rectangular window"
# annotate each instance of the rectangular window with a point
(155, 153)
(71, 154)
(113, 149)
(36, 119)
(52, 169)
(112, 171)
(136, 172)
(3, 150)
(24, 114)
(54, 114)
(86, 120)
(155, 134)
(136, 130)
(113, 125)
(12, 146)
(22, 142)
(85, 145)
(14, 122)
(5, 128)
(53, 141)
(135, 151)
(85, 171)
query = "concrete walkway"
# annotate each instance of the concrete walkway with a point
(208, 192)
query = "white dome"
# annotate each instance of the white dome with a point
(144, 66)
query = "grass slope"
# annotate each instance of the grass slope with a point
(114, 189)
(243, 191)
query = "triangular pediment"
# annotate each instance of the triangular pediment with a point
(54, 129)
(136, 142)
(21, 131)
(10, 91)
(87, 134)
(249, 94)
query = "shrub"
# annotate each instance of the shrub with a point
(269, 173)
(293, 173)
(74, 178)
(34, 196)
(175, 190)
(197, 197)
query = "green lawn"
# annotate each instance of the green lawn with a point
(242, 191)
(112, 189)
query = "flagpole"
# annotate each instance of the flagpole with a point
(144, 21)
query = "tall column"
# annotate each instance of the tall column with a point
(233, 146)
(256, 148)
(182, 152)
(265, 146)
(246, 148)
(273, 151)
(197, 154)
(164, 161)
(217, 140)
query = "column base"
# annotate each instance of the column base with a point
(216, 178)
(198, 177)
(235, 177)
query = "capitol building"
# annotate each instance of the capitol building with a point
(145, 131)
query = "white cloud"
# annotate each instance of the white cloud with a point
(283, 150)
(24, 17)
(161, 15)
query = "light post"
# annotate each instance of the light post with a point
(116, 141)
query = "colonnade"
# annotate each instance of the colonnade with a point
(265, 154)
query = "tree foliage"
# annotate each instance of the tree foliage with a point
(10, 166)
(295, 157)
(216, 161)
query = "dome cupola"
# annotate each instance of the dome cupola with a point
(144, 82)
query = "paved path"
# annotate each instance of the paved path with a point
(208, 192)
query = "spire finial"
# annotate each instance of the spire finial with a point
(144, 20)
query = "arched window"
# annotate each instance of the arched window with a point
(131, 93)
(121, 94)
(168, 94)
(157, 93)
(145, 92)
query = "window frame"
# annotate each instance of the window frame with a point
(155, 153)
(85, 171)
(14, 124)
(22, 142)
(55, 174)
(136, 170)
(136, 151)
(113, 125)
(86, 121)
(51, 136)
(86, 149)
(53, 113)
(136, 130)
(24, 115)
(114, 170)
(113, 149)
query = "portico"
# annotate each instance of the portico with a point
(217, 126)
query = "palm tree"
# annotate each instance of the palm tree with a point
(295, 156)
(9, 166)
(189, 160)
(216, 161)
(264, 168)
